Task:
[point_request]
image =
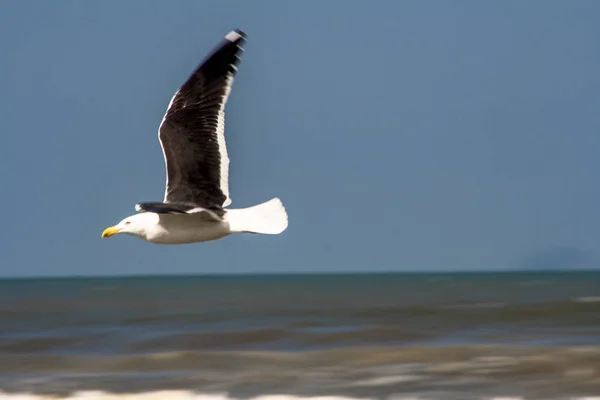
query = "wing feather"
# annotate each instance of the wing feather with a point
(192, 132)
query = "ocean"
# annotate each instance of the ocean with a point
(457, 336)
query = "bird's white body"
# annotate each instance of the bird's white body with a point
(204, 225)
(180, 228)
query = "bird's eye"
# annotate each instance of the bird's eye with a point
(127, 222)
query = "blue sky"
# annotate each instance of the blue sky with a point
(400, 135)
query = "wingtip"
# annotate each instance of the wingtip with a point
(235, 35)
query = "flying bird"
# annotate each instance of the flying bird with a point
(192, 137)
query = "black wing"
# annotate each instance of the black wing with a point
(192, 132)
(174, 208)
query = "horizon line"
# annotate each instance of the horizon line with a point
(289, 273)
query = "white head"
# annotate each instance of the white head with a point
(136, 225)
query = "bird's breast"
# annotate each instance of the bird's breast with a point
(187, 228)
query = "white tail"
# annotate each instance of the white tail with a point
(269, 218)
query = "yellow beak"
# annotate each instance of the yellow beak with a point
(108, 232)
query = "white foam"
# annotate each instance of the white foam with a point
(588, 299)
(506, 398)
(190, 395)
(157, 395)
(386, 380)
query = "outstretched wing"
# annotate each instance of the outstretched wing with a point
(192, 133)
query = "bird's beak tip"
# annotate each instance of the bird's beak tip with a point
(108, 232)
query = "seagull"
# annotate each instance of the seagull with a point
(192, 138)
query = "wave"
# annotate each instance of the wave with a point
(477, 305)
(167, 395)
(587, 299)
(426, 373)
(190, 395)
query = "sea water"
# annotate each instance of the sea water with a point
(283, 337)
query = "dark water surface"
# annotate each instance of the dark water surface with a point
(423, 336)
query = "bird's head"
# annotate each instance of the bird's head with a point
(135, 225)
